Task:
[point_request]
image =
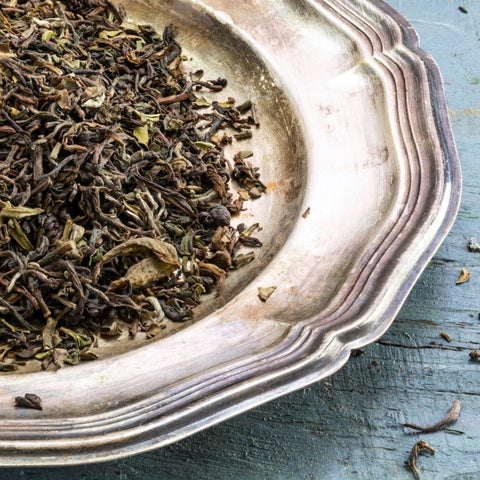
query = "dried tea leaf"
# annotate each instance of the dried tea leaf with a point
(141, 134)
(73, 231)
(243, 193)
(446, 336)
(29, 400)
(474, 355)
(48, 35)
(474, 245)
(48, 334)
(211, 270)
(81, 340)
(56, 150)
(112, 330)
(8, 367)
(201, 102)
(306, 213)
(154, 330)
(9, 211)
(243, 259)
(87, 355)
(418, 448)
(264, 293)
(106, 34)
(16, 232)
(5, 50)
(144, 273)
(143, 247)
(464, 276)
(221, 238)
(452, 417)
(204, 145)
(64, 101)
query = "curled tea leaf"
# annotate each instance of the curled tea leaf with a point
(164, 252)
(144, 273)
(10, 211)
(418, 448)
(29, 400)
(80, 339)
(17, 233)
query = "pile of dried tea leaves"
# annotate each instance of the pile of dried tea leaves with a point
(115, 198)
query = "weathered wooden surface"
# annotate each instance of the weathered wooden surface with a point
(349, 426)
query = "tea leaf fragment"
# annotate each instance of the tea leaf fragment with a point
(264, 293)
(141, 134)
(463, 277)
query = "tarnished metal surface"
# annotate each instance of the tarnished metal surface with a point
(354, 127)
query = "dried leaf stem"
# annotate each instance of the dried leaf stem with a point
(451, 417)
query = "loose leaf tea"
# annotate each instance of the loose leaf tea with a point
(115, 190)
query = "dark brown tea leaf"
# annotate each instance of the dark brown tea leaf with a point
(29, 400)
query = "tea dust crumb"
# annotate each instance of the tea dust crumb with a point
(306, 213)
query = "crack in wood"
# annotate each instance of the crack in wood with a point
(419, 347)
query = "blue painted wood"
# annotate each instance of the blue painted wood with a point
(349, 425)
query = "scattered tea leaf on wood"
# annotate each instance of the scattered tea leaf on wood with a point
(29, 400)
(474, 355)
(357, 352)
(418, 448)
(464, 276)
(116, 194)
(452, 417)
(446, 336)
(474, 245)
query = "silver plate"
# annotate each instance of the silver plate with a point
(354, 126)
